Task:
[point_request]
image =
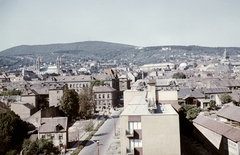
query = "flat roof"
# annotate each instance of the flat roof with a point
(138, 106)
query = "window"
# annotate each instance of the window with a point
(135, 143)
(103, 96)
(134, 126)
(108, 96)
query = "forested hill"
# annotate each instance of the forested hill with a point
(89, 46)
(26, 55)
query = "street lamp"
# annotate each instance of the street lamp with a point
(98, 146)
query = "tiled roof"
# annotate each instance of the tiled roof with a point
(184, 92)
(214, 90)
(230, 112)
(50, 124)
(221, 128)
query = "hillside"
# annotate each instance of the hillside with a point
(26, 55)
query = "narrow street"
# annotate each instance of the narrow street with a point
(103, 138)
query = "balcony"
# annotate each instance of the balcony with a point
(130, 151)
(129, 133)
(136, 133)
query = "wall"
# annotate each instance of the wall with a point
(161, 134)
(55, 97)
(130, 94)
(167, 95)
(124, 139)
(31, 100)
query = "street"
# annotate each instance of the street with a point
(102, 139)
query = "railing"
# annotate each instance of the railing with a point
(129, 133)
(130, 151)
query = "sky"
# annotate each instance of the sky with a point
(214, 23)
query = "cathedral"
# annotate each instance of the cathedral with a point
(40, 69)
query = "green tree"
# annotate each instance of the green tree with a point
(10, 92)
(191, 112)
(179, 75)
(86, 102)
(40, 146)
(69, 103)
(98, 83)
(12, 131)
(225, 98)
(212, 105)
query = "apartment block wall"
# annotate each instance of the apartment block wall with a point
(160, 134)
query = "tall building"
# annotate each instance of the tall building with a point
(149, 123)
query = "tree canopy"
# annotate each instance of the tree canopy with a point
(10, 92)
(69, 103)
(225, 98)
(212, 105)
(86, 101)
(98, 83)
(179, 75)
(40, 146)
(190, 111)
(12, 131)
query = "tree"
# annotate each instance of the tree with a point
(12, 131)
(98, 83)
(69, 103)
(40, 146)
(190, 111)
(225, 98)
(179, 75)
(212, 105)
(193, 113)
(86, 102)
(10, 92)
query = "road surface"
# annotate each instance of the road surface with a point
(102, 139)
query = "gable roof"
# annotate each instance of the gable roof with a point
(186, 92)
(214, 90)
(49, 125)
(221, 128)
(230, 112)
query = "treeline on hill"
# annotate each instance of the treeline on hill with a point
(104, 51)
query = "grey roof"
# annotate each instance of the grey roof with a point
(221, 128)
(184, 92)
(230, 112)
(100, 89)
(49, 124)
(214, 90)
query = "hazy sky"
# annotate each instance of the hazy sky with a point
(134, 22)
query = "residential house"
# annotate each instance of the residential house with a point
(221, 133)
(56, 129)
(23, 109)
(105, 97)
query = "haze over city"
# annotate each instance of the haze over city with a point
(140, 23)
